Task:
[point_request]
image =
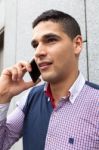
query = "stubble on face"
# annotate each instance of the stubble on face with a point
(54, 46)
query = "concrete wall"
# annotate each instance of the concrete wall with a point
(2, 22)
(18, 33)
(2, 13)
(92, 11)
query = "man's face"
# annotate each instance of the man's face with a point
(54, 52)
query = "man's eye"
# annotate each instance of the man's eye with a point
(35, 45)
(51, 40)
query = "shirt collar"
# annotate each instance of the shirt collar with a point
(75, 88)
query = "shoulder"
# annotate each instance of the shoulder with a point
(92, 85)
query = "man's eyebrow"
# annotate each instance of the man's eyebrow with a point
(49, 35)
(46, 36)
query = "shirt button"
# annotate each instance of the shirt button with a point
(48, 99)
(71, 140)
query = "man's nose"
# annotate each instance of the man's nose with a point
(40, 51)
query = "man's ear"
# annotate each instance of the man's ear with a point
(77, 42)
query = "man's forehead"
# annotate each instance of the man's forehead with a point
(45, 28)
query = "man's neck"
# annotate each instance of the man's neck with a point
(61, 88)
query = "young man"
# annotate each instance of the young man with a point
(61, 114)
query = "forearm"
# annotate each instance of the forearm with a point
(11, 129)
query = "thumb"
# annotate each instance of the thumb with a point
(31, 84)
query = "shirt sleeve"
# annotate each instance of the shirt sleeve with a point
(3, 111)
(11, 129)
(11, 125)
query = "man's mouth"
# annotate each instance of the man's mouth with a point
(44, 65)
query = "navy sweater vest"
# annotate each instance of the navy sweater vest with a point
(37, 114)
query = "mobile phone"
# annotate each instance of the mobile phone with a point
(35, 73)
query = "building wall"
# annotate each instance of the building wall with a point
(92, 10)
(2, 21)
(18, 33)
(2, 13)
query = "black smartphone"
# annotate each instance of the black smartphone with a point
(35, 73)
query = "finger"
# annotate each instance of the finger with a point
(22, 68)
(7, 72)
(14, 72)
(10, 73)
(24, 65)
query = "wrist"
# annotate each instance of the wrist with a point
(4, 98)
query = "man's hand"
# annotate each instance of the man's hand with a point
(12, 83)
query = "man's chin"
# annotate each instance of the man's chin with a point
(50, 77)
(50, 80)
(47, 79)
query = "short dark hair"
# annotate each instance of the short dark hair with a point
(69, 24)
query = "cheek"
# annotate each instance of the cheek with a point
(61, 53)
(65, 60)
